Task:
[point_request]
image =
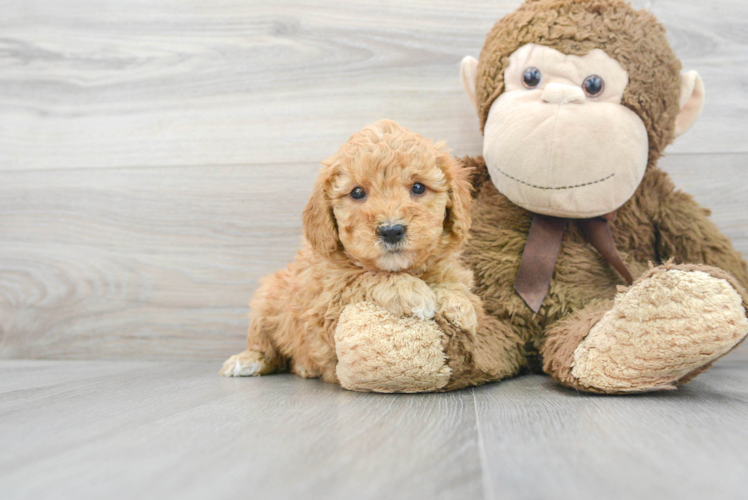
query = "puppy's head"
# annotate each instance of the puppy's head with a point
(389, 199)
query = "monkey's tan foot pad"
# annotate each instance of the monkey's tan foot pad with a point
(671, 324)
(246, 364)
(380, 352)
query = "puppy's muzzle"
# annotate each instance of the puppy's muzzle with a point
(391, 234)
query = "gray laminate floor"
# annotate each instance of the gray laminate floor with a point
(98, 429)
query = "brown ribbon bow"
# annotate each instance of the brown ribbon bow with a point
(543, 245)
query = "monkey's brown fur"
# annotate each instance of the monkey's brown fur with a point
(681, 317)
(591, 332)
(633, 37)
(657, 224)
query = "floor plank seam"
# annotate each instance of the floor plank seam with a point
(485, 476)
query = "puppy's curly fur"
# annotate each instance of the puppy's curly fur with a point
(345, 260)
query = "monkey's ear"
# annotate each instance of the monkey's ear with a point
(691, 101)
(468, 74)
(320, 229)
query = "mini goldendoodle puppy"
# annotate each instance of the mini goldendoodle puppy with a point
(385, 224)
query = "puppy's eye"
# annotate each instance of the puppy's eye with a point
(418, 188)
(593, 85)
(531, 77)
(358, 193)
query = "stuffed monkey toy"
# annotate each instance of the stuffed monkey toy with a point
(592, 267)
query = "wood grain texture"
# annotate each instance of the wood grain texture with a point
(155, 156)
(87, 84)
(116, 430)
(545, 441)
(160, 263)
(177, 430)
(719, 182)
(141, 263)
(154, 161)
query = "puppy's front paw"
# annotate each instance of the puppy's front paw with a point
(458, 309)
(406, 296)
(423, 306)
(246, 364)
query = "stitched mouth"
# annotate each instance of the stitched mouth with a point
(558, 187)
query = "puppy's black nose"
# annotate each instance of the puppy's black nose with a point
(391, 234)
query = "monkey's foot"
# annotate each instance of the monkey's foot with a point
(247, 364)
(668, 327)
(380, 352)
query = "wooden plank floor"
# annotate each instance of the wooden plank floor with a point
(119, 430)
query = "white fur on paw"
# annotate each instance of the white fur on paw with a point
(243, 365)
(241, 370)
(425, 311)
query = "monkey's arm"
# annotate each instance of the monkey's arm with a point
(687, 235)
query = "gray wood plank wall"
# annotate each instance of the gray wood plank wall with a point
(155, 156)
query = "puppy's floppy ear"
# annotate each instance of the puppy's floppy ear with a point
(457, 221)
(320, 228)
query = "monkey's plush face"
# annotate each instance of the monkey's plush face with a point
(558, 141)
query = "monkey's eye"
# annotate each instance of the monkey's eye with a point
(358, 193)
(593, 85)
(418, 188)
(531, 77)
